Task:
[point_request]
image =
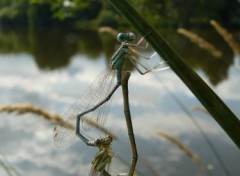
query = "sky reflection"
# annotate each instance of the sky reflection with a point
(27, 142)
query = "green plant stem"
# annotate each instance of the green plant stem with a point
(219, 111)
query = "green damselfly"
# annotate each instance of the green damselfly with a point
(103, 158)
(95, 101)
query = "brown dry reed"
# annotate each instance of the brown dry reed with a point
(226, 36)
(54, 118)
(202, 43)
(109, 30)
(183, 148)
(7, 166)
(199, 108)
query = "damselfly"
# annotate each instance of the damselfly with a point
(103, 158)
(94, 102)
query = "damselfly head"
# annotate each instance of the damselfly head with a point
(108, 139)
(126, 37)
(103, 141)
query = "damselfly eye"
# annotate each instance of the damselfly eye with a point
(130, 36)
(121, 37)
(124, 37)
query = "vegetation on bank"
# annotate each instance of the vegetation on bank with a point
(92, 14)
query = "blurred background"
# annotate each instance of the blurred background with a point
(51, 51)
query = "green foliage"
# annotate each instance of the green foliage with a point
(13, 12)
(47, 12)
(39, 1)
(178, 12)
(158, 13)
(8, 12)
(106, 18)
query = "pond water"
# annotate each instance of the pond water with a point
(49, 68)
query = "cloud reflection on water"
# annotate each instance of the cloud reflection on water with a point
(27, 140)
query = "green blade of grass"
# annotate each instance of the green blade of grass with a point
(219, 111)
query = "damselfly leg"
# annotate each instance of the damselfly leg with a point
(134, 55)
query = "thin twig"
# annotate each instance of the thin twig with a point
(127, 113)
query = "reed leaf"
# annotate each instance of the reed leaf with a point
(219, 111)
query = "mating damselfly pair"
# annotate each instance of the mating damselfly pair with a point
(95, 102)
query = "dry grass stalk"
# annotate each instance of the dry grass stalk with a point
(100, 128)
(183, 148)
(149, 167)
(28, 108)
(199, 108)
(226, 36)
(7, 166)
(202, 43)
(110, 30)
(54, 118)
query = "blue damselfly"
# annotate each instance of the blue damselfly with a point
(94, 102)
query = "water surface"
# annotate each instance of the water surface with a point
(49, 68)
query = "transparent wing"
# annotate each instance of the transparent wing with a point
(64, 132)
(145, 61)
